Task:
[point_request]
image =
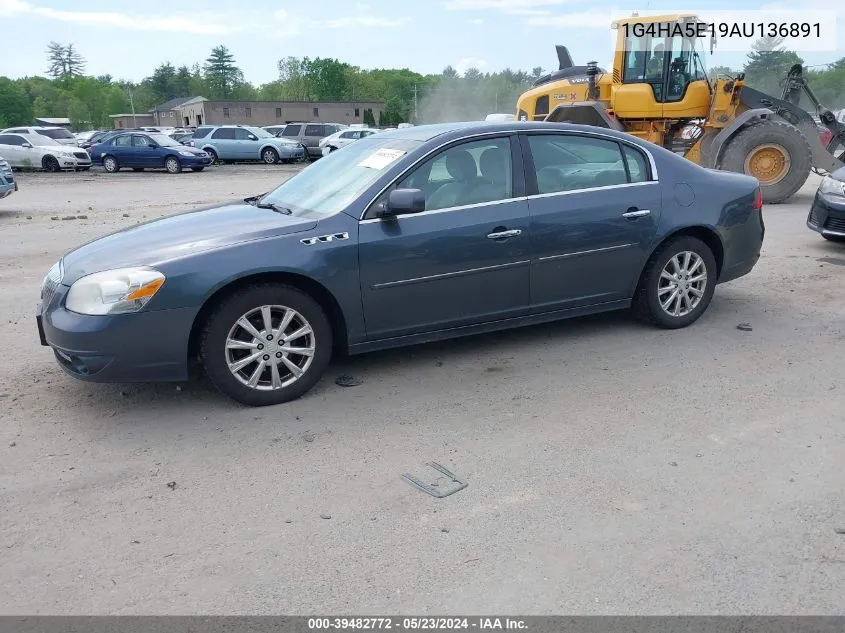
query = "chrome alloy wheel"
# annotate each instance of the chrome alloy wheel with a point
(270, 347)
(682, 283)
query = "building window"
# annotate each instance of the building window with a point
(226, 113)
(248, 112)
(316, 111)
(357, 113)
(278, 113)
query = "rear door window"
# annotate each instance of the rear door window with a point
(202, 133)
(314, 130)
(292, 130)
(568, 162)
(122, 141)
(224, 134)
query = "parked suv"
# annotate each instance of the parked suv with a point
(58, 134)
(310, 135)
(245, 142)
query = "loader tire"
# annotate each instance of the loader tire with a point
(775, 153)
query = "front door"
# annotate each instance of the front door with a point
(143, 155)
(593, 220)
(463, 260)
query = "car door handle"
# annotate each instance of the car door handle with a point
(498, 235)
(633, 212)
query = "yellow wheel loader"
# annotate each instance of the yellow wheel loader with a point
(658, 90)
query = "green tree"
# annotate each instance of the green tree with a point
(382, 121)
(369, 119)
(75, 62)
(163, 82)
(327, 79)
(721, 72)
(80, 117)
(221, 73)
(768, 64)
(57, 68)
(15, 106)
(293, 84)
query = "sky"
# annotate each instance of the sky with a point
(128, 39)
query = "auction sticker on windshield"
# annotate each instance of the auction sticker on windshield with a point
(381, 158)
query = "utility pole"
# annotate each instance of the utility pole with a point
(132, 105)
(416, 110)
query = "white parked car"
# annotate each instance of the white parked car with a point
(36, 151)
(343, 137)
(58, 134)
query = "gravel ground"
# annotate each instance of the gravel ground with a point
(613, 468)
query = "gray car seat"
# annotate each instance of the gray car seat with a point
(464, 172)
(494, 171)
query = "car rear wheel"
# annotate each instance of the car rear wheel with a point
(51, 164)
(173, 165)
(266, 344)
(215, 159)
(110, 164)
(677, 284)
(270, 156)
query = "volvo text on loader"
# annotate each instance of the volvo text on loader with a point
(659, 90)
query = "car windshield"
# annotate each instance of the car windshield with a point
(164, 140)
(58, 132)
(259, 132)
(39, 139)
(333, 182)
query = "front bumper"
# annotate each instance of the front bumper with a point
(195, 161)
(147, 346)
(827, 215)
(291, 152)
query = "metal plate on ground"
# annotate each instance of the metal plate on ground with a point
(441, 488)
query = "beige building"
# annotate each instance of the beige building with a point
(168, 114)
(140, 119)
(201, 111)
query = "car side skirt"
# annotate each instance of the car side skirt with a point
(483, 328)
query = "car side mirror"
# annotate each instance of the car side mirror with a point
(252, 137)
(28, 145)
(153, 145)
(404, 201)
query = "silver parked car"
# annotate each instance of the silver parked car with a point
(58, 134)
(245, 142)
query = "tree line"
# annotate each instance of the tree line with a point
(66, 91)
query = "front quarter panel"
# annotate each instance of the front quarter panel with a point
(193, 280)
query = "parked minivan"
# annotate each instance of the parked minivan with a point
(310, 135)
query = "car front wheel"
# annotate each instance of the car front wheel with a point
(270, 156)
(677, 284)
(173, 165)
(266, 344)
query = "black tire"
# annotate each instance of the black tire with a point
(224, 317)
(215, 159)
(137, 169)
(197, 168)
(173, 165)
(270, 156)
(647, 305)
(772, 132)
(110, 164)
(51, 164)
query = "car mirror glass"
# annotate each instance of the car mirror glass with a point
(252, 137)
(153, 145)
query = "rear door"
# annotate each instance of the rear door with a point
(223, 141)
(594, 204)
(11, 148)
(313, 134)
(121, 149)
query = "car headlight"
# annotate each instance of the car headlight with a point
(186, 153)
(114, 291)
(832, 187)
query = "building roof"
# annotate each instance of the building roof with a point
(53, 120)
(137, 114)
(173, 104)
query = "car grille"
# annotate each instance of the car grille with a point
(835, 224)
(82, 155)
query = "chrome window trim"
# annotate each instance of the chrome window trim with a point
(508, 133)
(445, 209)
(590, 189)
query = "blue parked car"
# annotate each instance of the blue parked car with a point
(403, 237)
(141, 150)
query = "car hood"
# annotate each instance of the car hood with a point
(187, 148)
(178, 236)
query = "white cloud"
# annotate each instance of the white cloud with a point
(366, 20)
(476, 21)
(470, 62)
(580, 20)
(511, 7)
(360, 6)
(178, 22)
(280, 14)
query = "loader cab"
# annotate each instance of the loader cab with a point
(662, 74)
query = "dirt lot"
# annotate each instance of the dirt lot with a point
(613, 468)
